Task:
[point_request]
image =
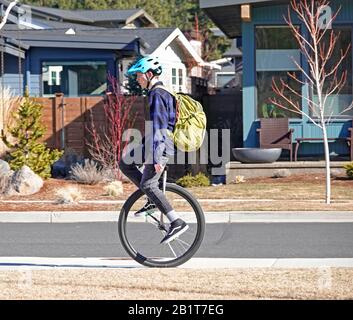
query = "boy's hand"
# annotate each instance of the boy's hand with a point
(158, 167)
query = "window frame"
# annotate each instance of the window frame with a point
(66, 62)
(310, 91)
(274, 25)
(180, 74)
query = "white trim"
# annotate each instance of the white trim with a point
(222, 60)
(177, 34)
(140, 13)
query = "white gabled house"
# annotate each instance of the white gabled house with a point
(180, 58)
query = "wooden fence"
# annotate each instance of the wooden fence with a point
(66, 120)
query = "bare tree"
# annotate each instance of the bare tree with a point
(7, 13)
(105, 143)
(324, 78)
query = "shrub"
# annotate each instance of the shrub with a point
(114, 189)
(68, 195)
(188, 181)
(23, 136)
(88, 173)
(239, 179)
(349, 169)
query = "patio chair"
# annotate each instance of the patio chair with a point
(275, 133)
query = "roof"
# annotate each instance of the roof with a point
(62, 14)
(94, 16)
(55, 38)
(51, 24)
(11, 49)
(226, 13)
(153, 36)
(150, 38)
(233, 51)
(158, 39)
(105, 15)
(223, 3)
(125, 16)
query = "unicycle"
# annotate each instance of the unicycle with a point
(141, 236)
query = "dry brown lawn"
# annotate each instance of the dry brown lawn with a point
(175, 284)
(297, 192)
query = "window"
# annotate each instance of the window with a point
(54, 78)
(338, 101)
(276, 48)
(223, 79)
(264, 92)
(275, 37)
(178, 79)
(81, 78)
(174, 77)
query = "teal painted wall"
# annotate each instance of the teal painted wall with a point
(273, 15)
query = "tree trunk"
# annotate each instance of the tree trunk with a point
(327, 166)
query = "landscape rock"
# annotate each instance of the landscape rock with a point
(281, 173)
(5, 168)
(24, 182)
(336, 173)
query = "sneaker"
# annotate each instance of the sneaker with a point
(145, 209)
(176, 228)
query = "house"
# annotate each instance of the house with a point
(229, 78)
(72, 51)
(181, 59)
(53, 61)
(268, 47)
(54, 51)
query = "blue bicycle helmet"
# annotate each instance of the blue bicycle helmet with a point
(145, 64)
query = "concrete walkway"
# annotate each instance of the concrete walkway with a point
(43, 263)
(211, 217)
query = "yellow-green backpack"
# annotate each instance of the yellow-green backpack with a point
(190, 127)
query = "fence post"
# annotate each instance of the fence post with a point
(59, 120)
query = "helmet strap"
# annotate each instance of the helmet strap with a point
(149, 81)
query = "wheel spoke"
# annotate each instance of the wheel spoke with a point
(182, 243)
(171, 248)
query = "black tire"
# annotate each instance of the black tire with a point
(152, 262)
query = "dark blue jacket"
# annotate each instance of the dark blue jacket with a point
(163, 117)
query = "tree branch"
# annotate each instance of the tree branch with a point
(7, 13)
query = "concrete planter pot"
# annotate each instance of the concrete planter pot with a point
(256, 155)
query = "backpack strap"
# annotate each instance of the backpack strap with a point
(173, 95)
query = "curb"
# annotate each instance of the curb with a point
(211, 217)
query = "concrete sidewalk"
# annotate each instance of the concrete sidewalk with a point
(43, 263)
(211, 217)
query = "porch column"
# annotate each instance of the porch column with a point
(249, 85)
(27, 73)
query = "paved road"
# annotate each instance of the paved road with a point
(222, 240)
